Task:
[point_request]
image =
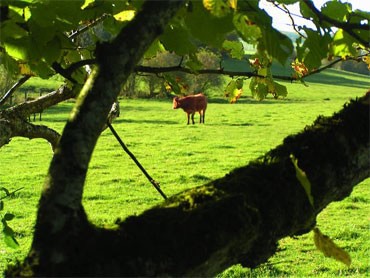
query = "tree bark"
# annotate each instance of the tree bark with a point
(13, 120)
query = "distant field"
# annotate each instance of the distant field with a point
(180, 157)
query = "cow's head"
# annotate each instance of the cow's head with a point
(176, 103)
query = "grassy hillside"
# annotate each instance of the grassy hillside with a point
(180, 157)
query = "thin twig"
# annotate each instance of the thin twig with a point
(124, 147)
(10, 193)
(158, 70)
(86, 27)
(293, 23)
(330, 65)
(346, 26)
(9, 93)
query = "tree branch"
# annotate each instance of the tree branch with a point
(157, 70)
(27, 108)
(316, 71)
(13, 127)
(13, 120)
(286, 10)
(31, 131)
(88, 26)
(346, 26)
(9, 93)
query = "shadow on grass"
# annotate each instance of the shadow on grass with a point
(250, 100)
(144, 121)
(329, 77)
(339, 79)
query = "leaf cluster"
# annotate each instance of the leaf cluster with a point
(47, 37)
(7, 231)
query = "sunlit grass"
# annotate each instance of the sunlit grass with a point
(180, 157)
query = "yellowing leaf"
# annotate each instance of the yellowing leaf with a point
(24, 69)
(218, 8)
(302, 178)
(366, 59)
(234, 90)
(233, 4)
(86, 4)
(329, 248)
(125, 15)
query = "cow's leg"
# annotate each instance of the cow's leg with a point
(204, 114)
(188, 117)
(192, 117)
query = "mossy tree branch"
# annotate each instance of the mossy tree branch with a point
(14, 119)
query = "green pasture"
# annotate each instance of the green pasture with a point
(180, 157)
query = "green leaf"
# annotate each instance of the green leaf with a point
(193, 63)
(51, 51)
(5, 190)
(303, 179)
(43, 14)
(363, 14)
(79, 75)
(277, 45)
(314, 49)
(248, 31)
(18, 48)
(264, 71)
(306, 11)
(280, 90)
(287, 2)
(233, 90)
(9, 238)
(239, 83)
(336, 10)
(113, 26)
(207, 28)
(11, 29)
(218, 8)
(177, 39)
(71, 57)
(155, 47)
(8, 217)
(1, 205)
(172, 82)
(10, 64)
(343, 44)
(235, 48)
(41, 34)
(258, 88)
(19, 3)
(42, 69)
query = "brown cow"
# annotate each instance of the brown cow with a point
(191, 104)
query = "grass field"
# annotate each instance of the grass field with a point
(180, 157)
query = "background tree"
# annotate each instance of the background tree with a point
(234, 219)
